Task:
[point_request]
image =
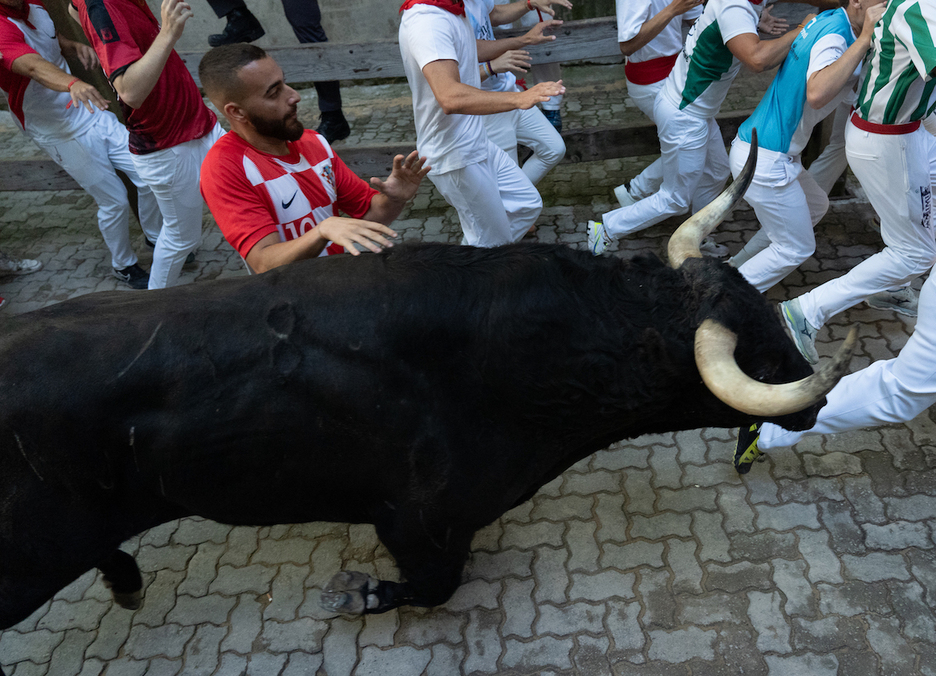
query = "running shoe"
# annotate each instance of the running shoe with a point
(747, 452)
(598, 240)
(904, 301)
(802, 332)
(18, 266)
(133, 276)
(709, 247)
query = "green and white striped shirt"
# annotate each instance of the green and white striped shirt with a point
(897, 84)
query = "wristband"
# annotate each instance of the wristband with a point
(529, 6)
(72, 83)
(490, 68)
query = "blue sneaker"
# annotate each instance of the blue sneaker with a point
(598, 239)
(802, 332)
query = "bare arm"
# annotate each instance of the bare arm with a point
(49, 75)
(760, 55)
(510, 13)
(491, 49)
(455, 97)
(137, 82)
(825, 84)
(651, 28)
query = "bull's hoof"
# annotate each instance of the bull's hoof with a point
(129, 600)
(350, 592)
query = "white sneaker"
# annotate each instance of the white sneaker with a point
(598, 239)
(623, 195)
(709, 247)
(18, 266)
(904, 301)
(801, 331)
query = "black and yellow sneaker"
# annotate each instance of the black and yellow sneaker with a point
(747, 452)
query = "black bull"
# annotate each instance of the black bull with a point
(425, 390)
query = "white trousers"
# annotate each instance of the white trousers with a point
(172, 174)
(887, 391)
(92, 158)
(533, 130)
(788, 203)
(832, 163)
(650, 179)
(495, 201)
(695, 168)
(896, 173)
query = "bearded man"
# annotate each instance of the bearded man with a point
(275, 188)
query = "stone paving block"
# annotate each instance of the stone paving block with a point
(488, 538)
(212, 609)
(519, 609)
(632, 555)
(790, 578)
(658, 603)
(737, 576)
(127, 667)
(167, 640)
(69, 654)
(660, 526)
(539, 653)
(717, 608)
(851, 598)
(446, 660)
(570, 619)
(287, 592)
(895, 653)
(787, 517)
(232, 581)
(202, 654)
(482, 642)
(915, 616)
(885, 480)
(564, 508)
(831, 464)
(82, 615)
(824, 566)
(474, 594)
(379, 629)
(611, 518)
(861, 495)
(682, 645)
(639, 491)
(493, 566)
(923, 567)
(687, 499)
(786, 464)
(194, 531)
(112, 633)
(762, 489)
(763, 547)
(304, 634)
(245, 625)
(619, 456)
(710, 475)
(582, 545)
(828, 634)
(845, 534)
(773, 631)
(301, 664)
(707, 528)
(241, 543)
(163, 667)
(732, 502)
(526, 536)
(592, 482)
(875, 566)
(666, 471)
(173, 557)
(912, 508)
(898, 535)
(692, 448)
(687, 573)
(591, 657)
(288, 550)
(201, 569)
(813, 489)
(263, 664)
(796, 665)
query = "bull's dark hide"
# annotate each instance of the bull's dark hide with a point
(426, 390)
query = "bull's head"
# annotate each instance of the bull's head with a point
(715, 344)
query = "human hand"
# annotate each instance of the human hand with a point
(85, 94)
(872, 16)
(544, 5)
(87, 56)
(772, 25)
(540, 94)
(514, 60)
(404, 178)
(680, 7)
(537, 35)
(174, 14)
(347, 232)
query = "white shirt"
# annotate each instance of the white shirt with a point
(429, 34)
(479, 13)
(633, 14)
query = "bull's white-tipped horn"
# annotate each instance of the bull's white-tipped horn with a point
(688, 237)
(714, 354)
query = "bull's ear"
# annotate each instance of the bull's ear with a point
(714, 354)
(688, 237)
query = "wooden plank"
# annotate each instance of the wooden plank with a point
(577, 40)
(582, 145)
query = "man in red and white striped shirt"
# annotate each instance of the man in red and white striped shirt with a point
(276, 189)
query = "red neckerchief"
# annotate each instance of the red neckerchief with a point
(20, 14)
(456, 7)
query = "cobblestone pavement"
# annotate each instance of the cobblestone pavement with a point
(652, 557)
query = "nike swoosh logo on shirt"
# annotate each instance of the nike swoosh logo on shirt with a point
(286, 204)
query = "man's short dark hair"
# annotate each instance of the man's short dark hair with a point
(218, 70)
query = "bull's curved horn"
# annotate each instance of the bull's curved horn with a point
(688, 237)
(714, 354)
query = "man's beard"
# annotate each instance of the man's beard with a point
(282, 129)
